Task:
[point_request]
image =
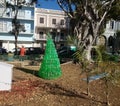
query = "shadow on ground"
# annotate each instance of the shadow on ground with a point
(30, 71)
(56, 89)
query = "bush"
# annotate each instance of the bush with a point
(100, 52)
(110, 57)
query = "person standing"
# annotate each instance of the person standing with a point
(22, 53)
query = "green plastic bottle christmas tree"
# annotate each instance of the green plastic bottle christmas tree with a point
(50, 66)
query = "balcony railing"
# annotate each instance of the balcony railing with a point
(23, 17)
(6, 31)
(19, 17)
(38, 37)
(43, 38)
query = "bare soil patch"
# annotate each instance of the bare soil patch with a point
(68, 90)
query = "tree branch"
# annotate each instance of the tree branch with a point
(70, 14)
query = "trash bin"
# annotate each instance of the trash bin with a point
(5, 76)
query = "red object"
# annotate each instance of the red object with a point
(22, 51)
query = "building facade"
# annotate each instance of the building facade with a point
(50, 21)
(26, 18)
(38, 22)
(109, 37)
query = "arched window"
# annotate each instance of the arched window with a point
(110, 41)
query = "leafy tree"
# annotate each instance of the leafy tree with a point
(87, 17)
(15, 6)
(115, 11)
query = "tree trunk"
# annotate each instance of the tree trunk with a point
(107, 92)
(16, 50)
(88, 53)
(16, 27)
(88, 90)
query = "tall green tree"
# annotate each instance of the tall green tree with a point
(87, 17)
(15, 6)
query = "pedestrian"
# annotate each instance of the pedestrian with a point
(22, 52)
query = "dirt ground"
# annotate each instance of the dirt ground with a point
(68, 90)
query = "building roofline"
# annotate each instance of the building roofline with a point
(38, 10)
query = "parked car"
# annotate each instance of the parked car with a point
(14, 51)
(29, 51)
(65, 53)
(34, 50)
(3, 51)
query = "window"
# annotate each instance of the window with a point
(41, 35)
(21, 13)
(1, 11)
(53, 35)
(112, 24)
(53, 21)
(5, 26)
(41, 20)
(62, 22)
(62, 36)
(1, 26)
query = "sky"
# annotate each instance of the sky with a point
(50, 4)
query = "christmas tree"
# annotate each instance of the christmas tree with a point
(50, 66)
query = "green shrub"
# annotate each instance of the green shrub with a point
(110, 57)
(101, 54)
